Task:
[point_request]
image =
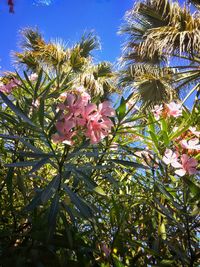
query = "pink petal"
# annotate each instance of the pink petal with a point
(180, 172)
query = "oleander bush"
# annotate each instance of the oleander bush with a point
(89, 178)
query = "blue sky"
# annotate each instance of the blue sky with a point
(67, 19)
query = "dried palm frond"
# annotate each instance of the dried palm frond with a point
(31, 39)
(196, 3)
(156, 28)
(181, 32)
(99, 80)
(153, 84)
(87, 44)
(160, 34)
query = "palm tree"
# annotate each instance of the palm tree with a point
(161, 54)
(71, 66)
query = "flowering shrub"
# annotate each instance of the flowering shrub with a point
(133, 178)
(85, 182)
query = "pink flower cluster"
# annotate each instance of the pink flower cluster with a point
(79, 115)
(192, 144)
(33, 77)
(186, 165)
(172, 109)
(7, 88)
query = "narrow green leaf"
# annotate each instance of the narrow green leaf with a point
(195, 189)
(22, 164)
(28, 81)
(16, 110)
(165, 137)
(129, 163)
(37, 85)
(121, 110)
(84, 209)
(41, 113)
(39, 165)
(47, 89)
(9, 184)
(35, 202)
(99, 191)
(54, 208)
(154, 138)
(50, 189)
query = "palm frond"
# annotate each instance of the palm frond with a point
(153, 84)
(196, 3)
(31, 39)
(87, 44)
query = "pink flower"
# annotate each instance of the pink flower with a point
(85, 96)
(33, 77)
(64, 126)
(105, 109)
(80, 89)
(7, 88)
(192, 144)
(65, 139)
(157, 111)
(187, 165)
(98, 123)
(63, 96)
(98, 129)
(194, 131)
(88, 113)
(174, 110)
(73, 105)
(79, 114)
(65, 131)
(36, 103)
(170, 157)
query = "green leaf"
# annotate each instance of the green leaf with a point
(167, 195)
(89, 182)
(37, 85)
(34, 155)
(154, 139)
(9, 184)
(30, 146)
(121, 110)
(38, 165)
(50, 189)
(165, 263)
(195, 189)
(35, 202)
(99, 190)
(22, 164)
(164, 126)
(45, 92)
(41, 113)
(28, 80)
(164, 210)
(16, 110)
(179, 131)
(165, 137)
(129, 163)
(84, 209)
(151, 125)
(23, 84)
(54, 208)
